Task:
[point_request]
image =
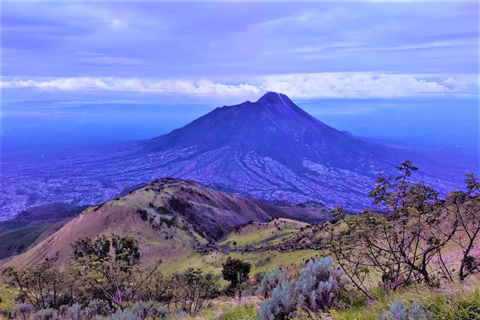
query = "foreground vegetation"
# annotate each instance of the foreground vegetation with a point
(418, 259)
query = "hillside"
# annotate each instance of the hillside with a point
(171, 218)
(190, 226)
(33, 225)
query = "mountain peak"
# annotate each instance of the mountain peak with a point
(274, 98)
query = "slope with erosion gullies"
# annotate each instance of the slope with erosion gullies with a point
(273, 150)
(269, 149)
(273, 127)
(172, 219)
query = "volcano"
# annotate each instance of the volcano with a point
(273, 127)
(273, 150)
(270, 149)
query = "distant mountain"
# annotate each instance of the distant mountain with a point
(273, 127)
(269, 149)
(170, 218)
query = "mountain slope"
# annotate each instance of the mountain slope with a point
(171, 219)
(273, 127)
(269, 149)
(273, 150)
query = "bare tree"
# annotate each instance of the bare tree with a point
(465, 205)
(399, 245)
(40, 287)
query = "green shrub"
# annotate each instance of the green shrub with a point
(44, 314)
(270, 281)
(150, 309)
(22, 312)
(124, 315)
(317, 288)
(283, 303)
(400, 312)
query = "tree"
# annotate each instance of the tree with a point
(194, 290)
(107, 269)
(466, 207)
(42, 286)
(399, 245)
(236, 271)
(159, 288)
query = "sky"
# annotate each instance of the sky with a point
(76, 75)
(212, 52)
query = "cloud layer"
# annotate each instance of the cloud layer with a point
(309, 86)
(231, 42)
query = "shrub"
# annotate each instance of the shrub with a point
(41, 286)
(193, 290)
(283, 303)
(22, 312)
(317, 287)
(142, 309)
(160, 311)
(270, 281)
(320, 284)
(44, 314)
(73, 312)
(97, 307)
(400, 312)
(124, 315)
(150, 309)
(107, 269)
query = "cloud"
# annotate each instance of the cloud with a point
(308, 86)
(366, 85)
(202, 88)
(118, 24)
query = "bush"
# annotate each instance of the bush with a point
(236, 271)
(150, 309)
(317, 288)
(22, 312)
(44, 314)
(124, 315)
(194, 290)
(97, 307)
(319, 284)
(270, 281)
(283, 303)
(73, 312)
(400, 312)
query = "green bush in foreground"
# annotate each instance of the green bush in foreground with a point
(316, 289)
(400, 312)
(270, 281)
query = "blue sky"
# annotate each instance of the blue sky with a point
(226, 52)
